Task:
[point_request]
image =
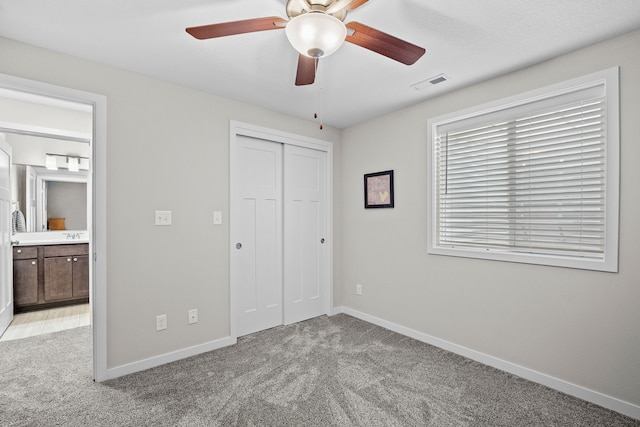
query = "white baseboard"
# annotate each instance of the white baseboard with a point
(626, 408)
(337, 310)
(152, 362)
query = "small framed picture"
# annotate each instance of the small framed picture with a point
(378, 190)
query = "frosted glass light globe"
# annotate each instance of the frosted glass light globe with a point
(316, 34)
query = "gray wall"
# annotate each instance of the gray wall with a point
(579, 326)
(168, 149)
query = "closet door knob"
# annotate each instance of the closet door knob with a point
(33, 263)
(238, 245)
(322, 240)
(68, 259)
(75, 260)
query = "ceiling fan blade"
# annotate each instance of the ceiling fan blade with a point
(356, 4)
(306, 74)
(383, 43)
(345, 4)
(237, 27)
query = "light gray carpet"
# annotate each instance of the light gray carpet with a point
(326, 371)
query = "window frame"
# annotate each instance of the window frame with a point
(609, 79)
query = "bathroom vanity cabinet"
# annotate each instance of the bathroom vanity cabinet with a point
(46, 276)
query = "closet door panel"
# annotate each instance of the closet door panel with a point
(257, 236)
(305, 229)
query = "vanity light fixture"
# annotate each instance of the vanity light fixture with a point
(73, 164)
(51, 162)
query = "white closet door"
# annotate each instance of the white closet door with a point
(257, 235)
(305, 228)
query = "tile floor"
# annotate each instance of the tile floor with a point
(45, 321)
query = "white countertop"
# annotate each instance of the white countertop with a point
(60, 237)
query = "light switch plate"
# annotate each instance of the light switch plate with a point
(163, 217)
(217, 217)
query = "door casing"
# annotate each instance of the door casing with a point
(98, 182)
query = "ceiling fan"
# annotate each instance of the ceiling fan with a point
(316, 29)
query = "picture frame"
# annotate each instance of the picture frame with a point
(378, 190)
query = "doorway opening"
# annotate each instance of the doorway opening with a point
(58, 204)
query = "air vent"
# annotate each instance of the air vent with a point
(425, 84)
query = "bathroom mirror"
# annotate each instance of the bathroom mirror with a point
(42, 194)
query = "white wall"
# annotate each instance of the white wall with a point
(167, 150)
(43, 116)
(32, 150)
(579, 326)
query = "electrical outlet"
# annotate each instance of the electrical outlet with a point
(358, 289)
(193, 316)
(161, 322)
(163, 217)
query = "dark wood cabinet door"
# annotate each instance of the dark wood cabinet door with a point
(25, 281)
(81, 276)
(58, 275)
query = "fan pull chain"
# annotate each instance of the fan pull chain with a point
(321, 108)
(319, 80)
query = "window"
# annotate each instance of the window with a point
(533, 178)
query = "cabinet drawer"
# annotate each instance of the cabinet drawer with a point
(25, 252)
(66, 250)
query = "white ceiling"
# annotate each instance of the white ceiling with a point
(467, 40)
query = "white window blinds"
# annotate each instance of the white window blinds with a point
(527, 179)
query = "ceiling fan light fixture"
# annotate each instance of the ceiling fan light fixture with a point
(316, 34)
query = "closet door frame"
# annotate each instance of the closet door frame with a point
(236, 129)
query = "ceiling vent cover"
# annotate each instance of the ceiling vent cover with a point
(425, 84)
